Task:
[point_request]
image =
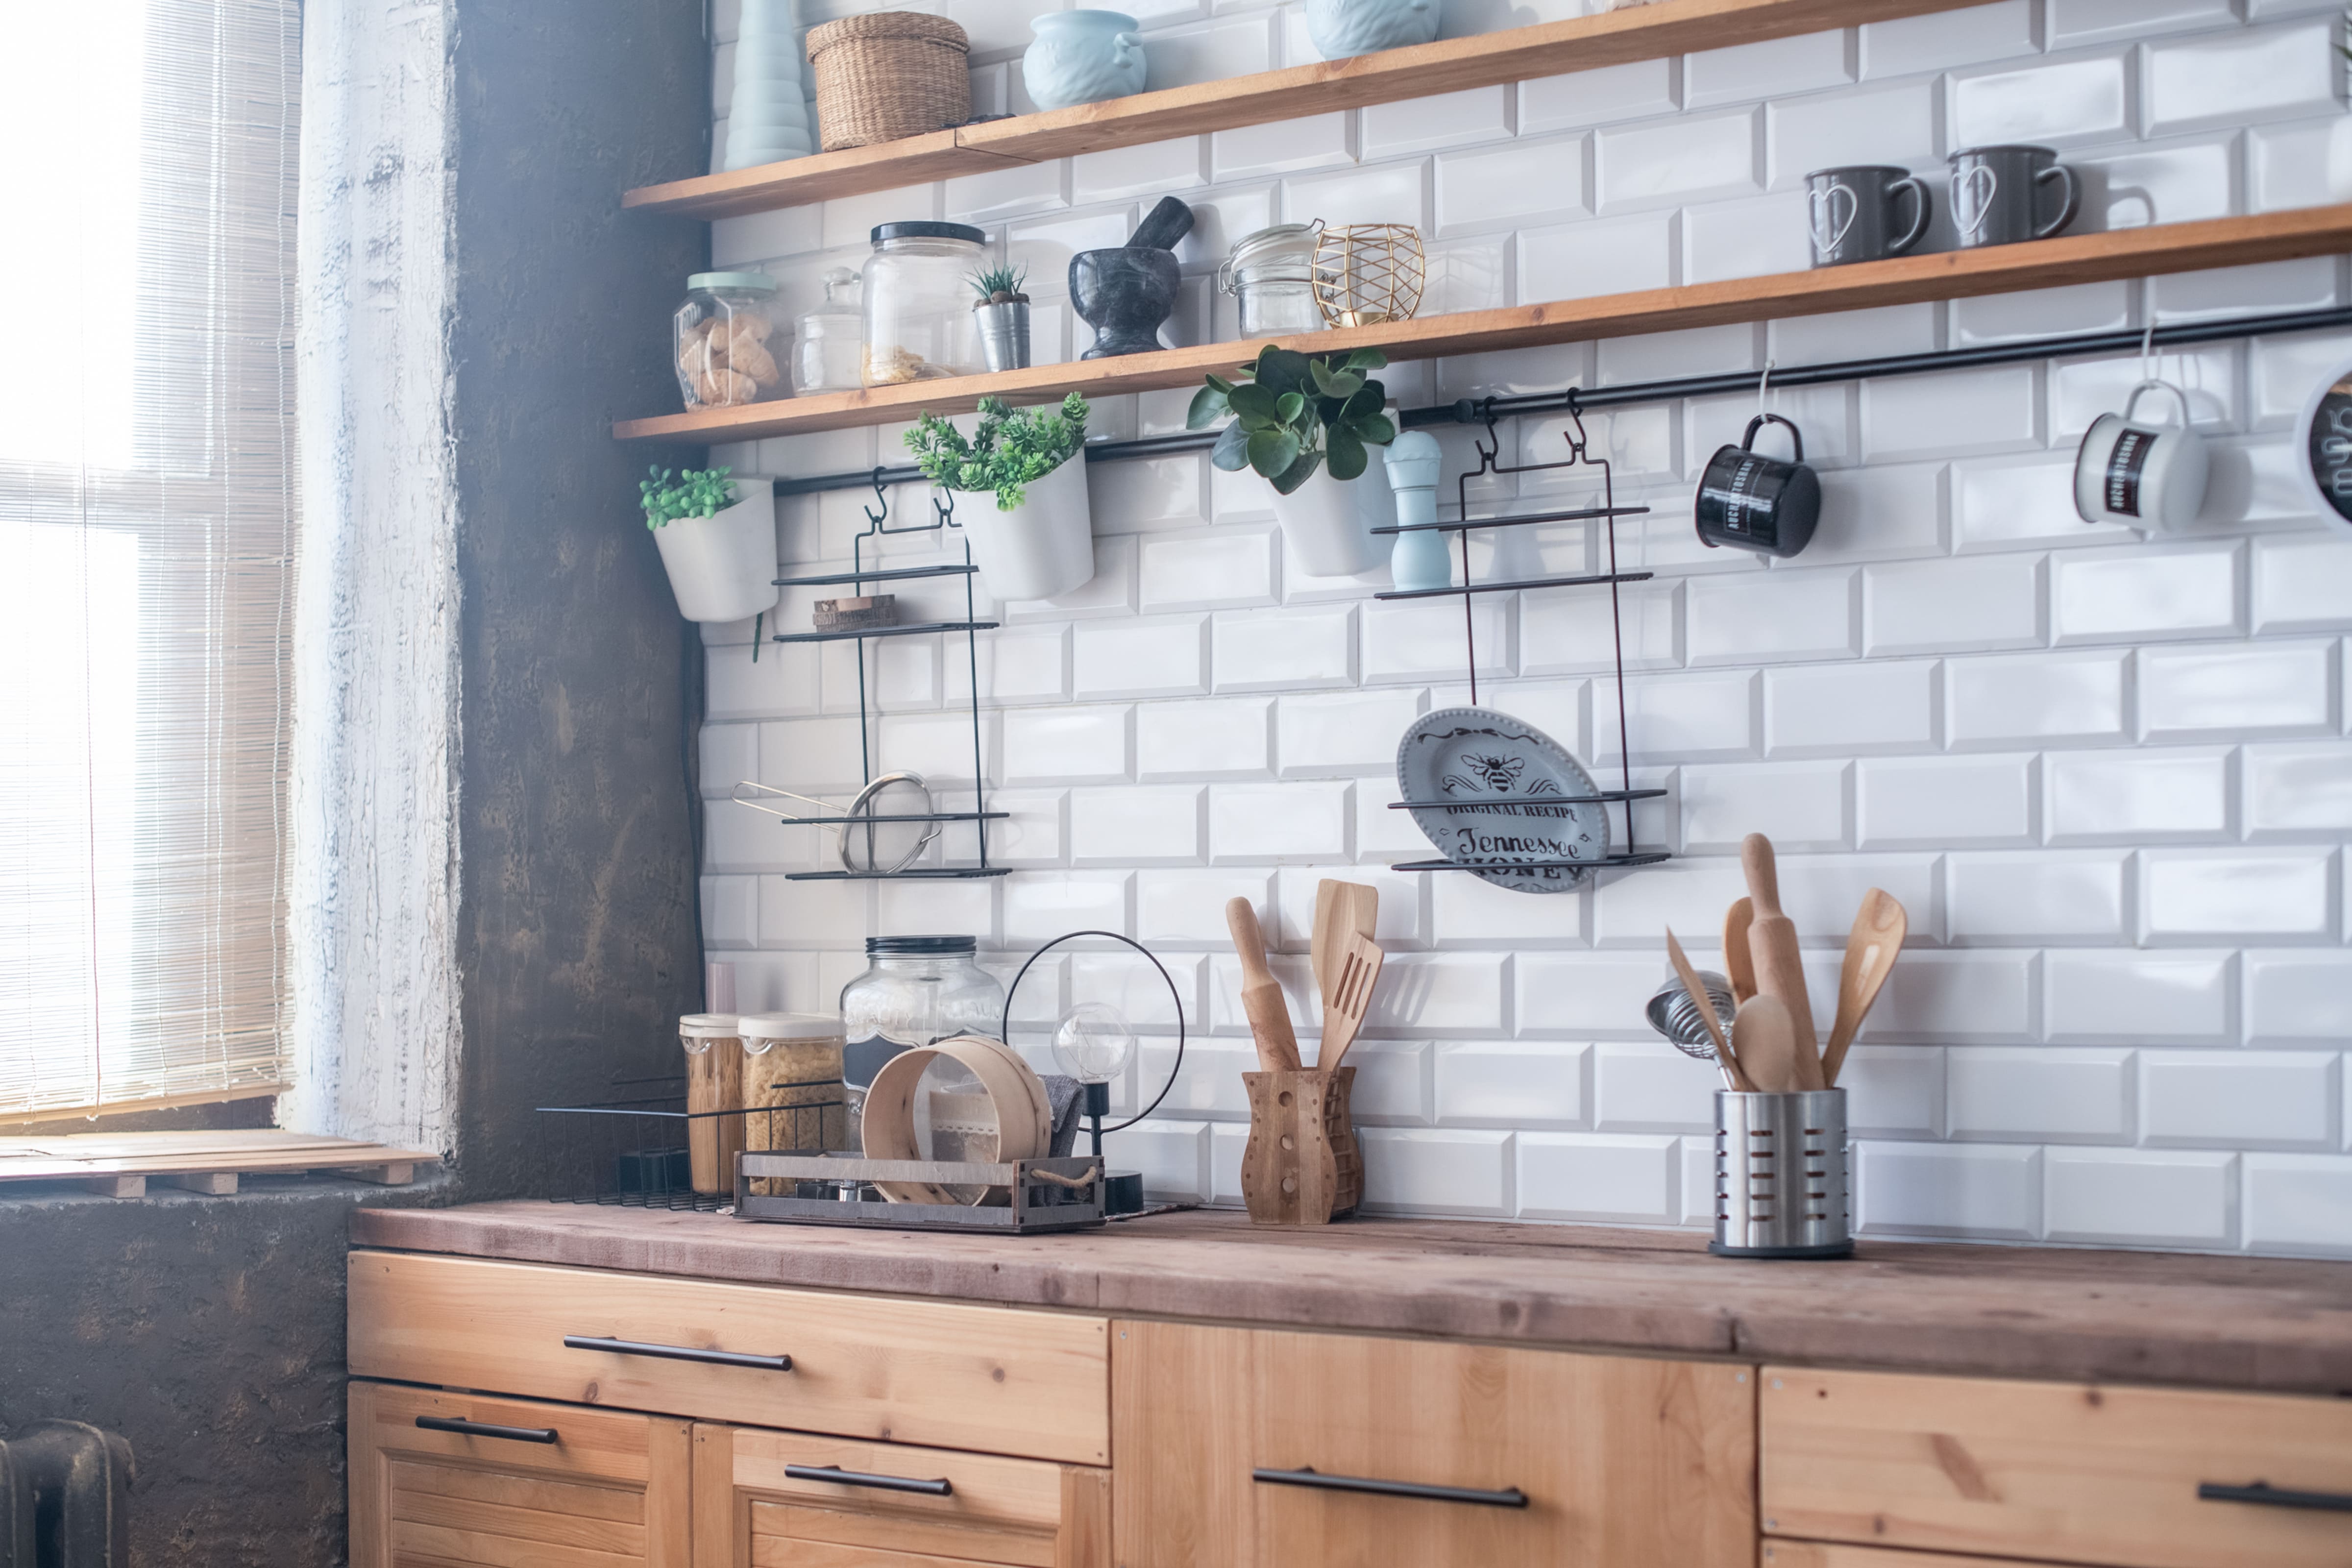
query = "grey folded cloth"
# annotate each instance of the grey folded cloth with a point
(1064, 1097)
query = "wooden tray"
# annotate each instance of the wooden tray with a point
(1038, 1207)
(119, 1163)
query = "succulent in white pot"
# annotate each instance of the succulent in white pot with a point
(1313, 425)
(719, 549)
(1030, 525)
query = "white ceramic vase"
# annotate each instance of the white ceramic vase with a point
(769, 118)
(1042, 548)
(1330, 521)
(723, 568)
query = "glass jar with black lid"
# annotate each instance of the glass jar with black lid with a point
(919, 293)
(915, 990)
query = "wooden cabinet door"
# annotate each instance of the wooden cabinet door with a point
(482, 1483)
(1249, 1448)
(792, 1499)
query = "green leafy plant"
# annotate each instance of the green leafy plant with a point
(1296, 412)
(1007, 448)
(999, 285)
(697, 492)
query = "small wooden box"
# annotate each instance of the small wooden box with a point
(856, 614)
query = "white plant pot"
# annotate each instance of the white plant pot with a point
(1042, 548)
(723, 568)
(1330, 521)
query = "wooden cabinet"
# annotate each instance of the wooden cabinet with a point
(462, 1478)
(939, 1373)
(1830, 1554)
(787, 1500)
(1252, 1449)
(2147, 1478)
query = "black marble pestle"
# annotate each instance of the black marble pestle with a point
(1162, 227)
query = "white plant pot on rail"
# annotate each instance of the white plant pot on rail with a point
(723, 568)
(1330, 521)
(1043, 548)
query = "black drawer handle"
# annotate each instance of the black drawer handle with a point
(840, 1476)
(2269, 1496)
(485, 1429)
(1509, 1496)
(678, 1353)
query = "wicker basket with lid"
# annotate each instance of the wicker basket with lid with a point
(888, 75)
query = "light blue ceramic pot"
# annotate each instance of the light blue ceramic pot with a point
(1344, 28)
(1082, 56)
(1419, 560)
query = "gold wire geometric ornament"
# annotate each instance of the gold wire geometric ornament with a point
(1366, 273)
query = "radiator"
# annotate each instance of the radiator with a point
(64, 1497)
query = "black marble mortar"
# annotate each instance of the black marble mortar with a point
(1124, 294)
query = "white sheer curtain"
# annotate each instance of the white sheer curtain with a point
(147, 515)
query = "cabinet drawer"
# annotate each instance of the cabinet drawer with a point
(606, 1490)
(2062, 1471)
(756, 1502)
(1829, 1555)
(935, 1372)
(1249, 1448)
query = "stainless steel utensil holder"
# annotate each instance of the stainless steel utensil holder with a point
(1781, 1175)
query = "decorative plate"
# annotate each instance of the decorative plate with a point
(1506, 786)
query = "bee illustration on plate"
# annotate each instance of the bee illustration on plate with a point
(1485, 772)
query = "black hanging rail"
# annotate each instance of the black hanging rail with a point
(1476, 410)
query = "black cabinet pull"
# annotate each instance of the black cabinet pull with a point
(678, 1353)
(840, 1476)
(2269, 1496)
(1509, 1496)
(485, 1429)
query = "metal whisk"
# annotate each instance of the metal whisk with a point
(1672, 1013)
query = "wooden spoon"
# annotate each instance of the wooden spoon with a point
(1269, 1015)
(1739, 964)
(1765, 1038)
(1339, 908)
(1871, 948)
(1699, 998)
(1779, 965)
(1343, 1015)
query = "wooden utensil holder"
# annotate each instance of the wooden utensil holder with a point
(1302, 1165)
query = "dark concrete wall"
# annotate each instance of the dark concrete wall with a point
(210, 1330)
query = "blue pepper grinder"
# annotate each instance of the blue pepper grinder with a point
(1419, 559)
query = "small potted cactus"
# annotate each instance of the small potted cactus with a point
(1003, 312)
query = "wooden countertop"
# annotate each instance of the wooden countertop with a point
(2122, 1317)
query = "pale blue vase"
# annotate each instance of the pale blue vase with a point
(1344, 28)
(1082, 56)
(1419, 559)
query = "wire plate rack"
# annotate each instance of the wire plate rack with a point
(635, 1151)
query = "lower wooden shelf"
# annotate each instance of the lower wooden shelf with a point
(1946, 275)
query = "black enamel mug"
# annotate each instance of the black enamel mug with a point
(1750, 501)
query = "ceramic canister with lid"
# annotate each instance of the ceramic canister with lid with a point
(714, 1098)
(1271, 276)
(792, 1081)
(919, 293)
(916, 990)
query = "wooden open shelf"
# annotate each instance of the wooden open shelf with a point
(1450, 65)
(1947, 275)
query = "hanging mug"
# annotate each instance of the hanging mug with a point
(1751, 501)
(1851, 213)
(1995, 191)
(2324, 437)
(2147, 475)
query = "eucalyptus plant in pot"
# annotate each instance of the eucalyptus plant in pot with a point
(719, 549)
(1032, 536)
(1314, 427)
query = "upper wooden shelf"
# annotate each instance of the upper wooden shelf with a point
(1450, 65)
(1947, 275)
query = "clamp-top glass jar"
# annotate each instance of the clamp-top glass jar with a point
(916, 990)
(1271, 275)
(918, 299)
(829, 351)
(725, 339)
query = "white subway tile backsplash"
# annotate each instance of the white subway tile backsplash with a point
(1774, 69)
(1882, 513)
(2132, 1198)
(1689, 895)
(2024, 503)
(2291, 165)
(1799, 806)
(1342, 731)
(2241, 1099)
(2146, 593)
(2274, 689)
(1958, 997)
(1625, 1179)
(1764, 618)
(2298, 998)
(1468, 911)
(2145, 998)
(2136, 797)
(1287, 147)
(2299, 1202)
(2282, 72)
(2298, 791)
(2276, 895)
(1569, 630)
(2042, 312)
(1211, 569)
(1688, 159)
(1203, 740)
(1896, 124)
(1915, 803)
(1135, 827)
(1066, 745)
(1123, 173)
(1287, 824)
(1821, 893)
(1993, 1193)
(1504, 1083)
(1843, 711)
(1629, 91)
(2039, 1093)
(1421, 639)
(1945, 41)
(1441, 120)
(2181, 182)
(2040, 896)
(1748, 238)
(1970, 605)
(1166, 657)
(1387, 193)
(1648, 1086)
(1172, 1155)
(1264, 650)
(1433, 1170)
(1893, 1091)
(2062, 103)
(1511, 186)
(1617, 256)
(2076, 697)
(1952, 412)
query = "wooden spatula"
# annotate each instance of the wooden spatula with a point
(1706, 1006)
(1340, 907)
(1269, 1015)
(1739, 964)
(1779, 965)
(1879, 928)
(1343, 1013)
(1765, 1040)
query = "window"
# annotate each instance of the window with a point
(147, 513)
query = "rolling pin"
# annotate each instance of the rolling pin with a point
(1779, 965)
(1269, 1015)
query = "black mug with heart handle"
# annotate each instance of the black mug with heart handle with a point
(1851, 213)
(1750, 501)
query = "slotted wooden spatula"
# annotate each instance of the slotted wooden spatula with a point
(1339, 908)
(1358, 969)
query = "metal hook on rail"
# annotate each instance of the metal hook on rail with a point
(945, 515)
(2148, 349)
(881, 495)
(1575, 431)
(1764, 389)
(1490, 447)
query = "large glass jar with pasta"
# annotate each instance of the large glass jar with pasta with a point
(919, 290)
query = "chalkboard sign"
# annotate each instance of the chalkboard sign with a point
(2327, 428)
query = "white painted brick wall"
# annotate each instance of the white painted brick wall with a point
(2110, 778)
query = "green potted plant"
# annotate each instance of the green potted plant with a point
(1002, 312)
(719, 549)
(1033, 537)
(1314, 427)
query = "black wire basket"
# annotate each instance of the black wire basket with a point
(643, 1149)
